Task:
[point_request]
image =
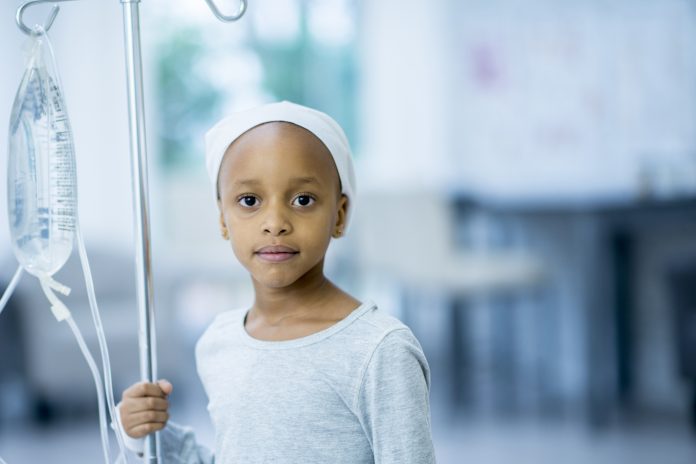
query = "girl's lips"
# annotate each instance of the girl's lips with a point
(276, 253)
(276, 257)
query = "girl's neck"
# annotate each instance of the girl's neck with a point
(303, 299)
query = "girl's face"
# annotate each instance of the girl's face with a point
(280, 202)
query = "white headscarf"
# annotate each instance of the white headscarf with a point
(227, 130)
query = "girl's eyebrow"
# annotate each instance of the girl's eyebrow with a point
(305, 180)
(247, 182)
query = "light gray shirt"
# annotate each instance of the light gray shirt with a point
(356, 392)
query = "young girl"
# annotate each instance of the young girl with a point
(308, 374)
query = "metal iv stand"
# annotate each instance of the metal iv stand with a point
(138, 149)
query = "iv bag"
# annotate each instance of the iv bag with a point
(41, 178)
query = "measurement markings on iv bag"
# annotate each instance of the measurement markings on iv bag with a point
(57, 97)
(61, 137)
(62, 165)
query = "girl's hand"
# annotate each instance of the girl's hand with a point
(143, 408)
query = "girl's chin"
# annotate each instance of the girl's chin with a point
(276, 281)
(282, 275)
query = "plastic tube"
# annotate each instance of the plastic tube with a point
(98, 383)
(9, 291)
(106, 362)
(62, 313)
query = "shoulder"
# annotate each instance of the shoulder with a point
(391, 342)
(367, 330)
(397, 347)
(376, 323)
(388, 334)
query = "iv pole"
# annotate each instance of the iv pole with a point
(138, 148)
(141, 208)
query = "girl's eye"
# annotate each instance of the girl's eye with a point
(303, 200)
(248, 201)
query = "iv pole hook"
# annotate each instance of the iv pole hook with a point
(19, 18)
(227, 18)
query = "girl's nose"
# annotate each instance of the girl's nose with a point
(276, 222)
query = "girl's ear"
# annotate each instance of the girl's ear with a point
(223, 226)
(340, 217)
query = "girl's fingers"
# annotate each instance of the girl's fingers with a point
(142, 389)
(144, 407)
(146, 417)
(166, 386)
(134, 405)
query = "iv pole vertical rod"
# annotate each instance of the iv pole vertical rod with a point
(138, 148)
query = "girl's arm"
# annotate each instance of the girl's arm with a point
(393, 401)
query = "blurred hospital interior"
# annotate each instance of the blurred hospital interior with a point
(526, 205)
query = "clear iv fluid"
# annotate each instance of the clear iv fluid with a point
(41, 185)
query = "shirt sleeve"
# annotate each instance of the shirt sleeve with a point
(177, 444)
(393, 401)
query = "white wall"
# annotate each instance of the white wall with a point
(404, 89)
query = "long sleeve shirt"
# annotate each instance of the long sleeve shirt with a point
(356, 392)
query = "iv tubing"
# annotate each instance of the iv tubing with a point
(98, 383)
(8, 292)
(106, 362)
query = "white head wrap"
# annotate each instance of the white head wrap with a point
(227, 130)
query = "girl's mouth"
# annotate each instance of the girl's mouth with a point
(276, 253)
